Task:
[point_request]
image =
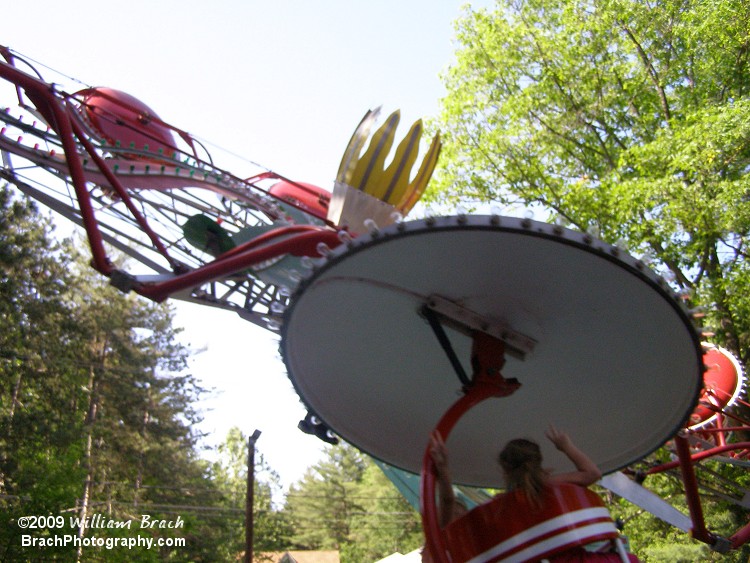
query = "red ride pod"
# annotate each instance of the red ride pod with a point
(510, 528)
(722, 384)
(122, 119)
(304, 196)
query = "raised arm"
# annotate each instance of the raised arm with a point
(446, 496)
(587, 471)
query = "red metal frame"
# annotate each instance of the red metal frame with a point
(686, 460)
(303, 244)
(58, 112)
(487, 382)
(690, 481)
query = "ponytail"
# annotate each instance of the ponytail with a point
(521, 461)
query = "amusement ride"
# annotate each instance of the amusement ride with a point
(480, 327)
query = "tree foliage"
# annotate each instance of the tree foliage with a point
(271, 528)
(630, 119)
(322, 503)
(627, 119)
(388, 524)
(39, 445)
(345, 502)
(97, 413)
(97, 417)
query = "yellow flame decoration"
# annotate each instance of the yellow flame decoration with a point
(366, 171)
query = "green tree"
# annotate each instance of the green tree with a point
(345, 502)
(96, 415)
(321, 505)
(627, 119)
(137, 433)
(388, 523)
(39, 385)
(271, 529)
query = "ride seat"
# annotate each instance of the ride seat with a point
(509, 528)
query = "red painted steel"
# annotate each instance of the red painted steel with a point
(303, 244)
(721, 381)
(123, 119)
(692, 495)
(309, 198)
(58, 113)
(488, 356)
(568, 516)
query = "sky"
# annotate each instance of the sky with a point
(281, 83)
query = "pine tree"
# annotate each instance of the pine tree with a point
(40, 384)
(321, 505)
(96, 412)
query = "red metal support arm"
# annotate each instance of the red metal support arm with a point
(433, 533)
(117, 186)
(487, 359)
(692, 495)
(303, 244)
(699, 456)
(49, 104)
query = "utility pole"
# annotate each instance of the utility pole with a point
(250, 495)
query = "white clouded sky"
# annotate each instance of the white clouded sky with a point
(281, 83)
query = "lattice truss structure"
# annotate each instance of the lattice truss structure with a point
(191, 229)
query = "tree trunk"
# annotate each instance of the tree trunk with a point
(88, 451)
